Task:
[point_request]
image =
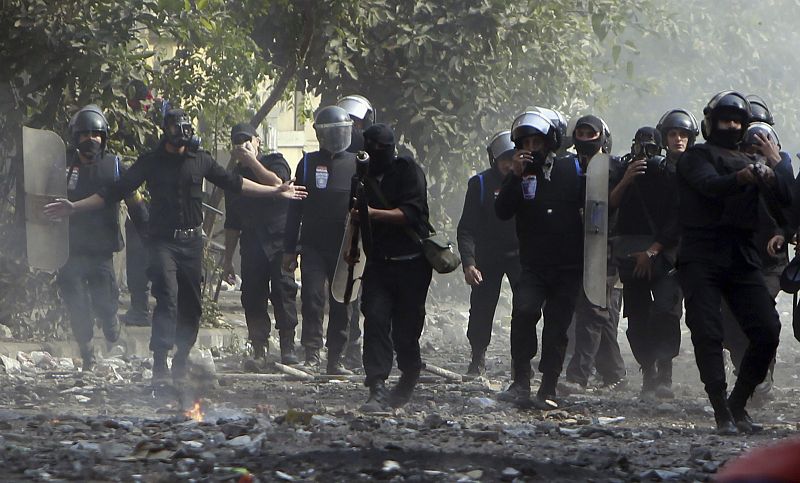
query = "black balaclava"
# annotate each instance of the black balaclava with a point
(379, 144)
(727, 138)
(90, 148)
(589, 148)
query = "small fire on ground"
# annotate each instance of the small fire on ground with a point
(196, 412)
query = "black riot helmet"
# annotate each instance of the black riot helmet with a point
(89, 119)
(759, 112)
(334, 129)
(178, 129)
(358, 107)
(500, 145)
(532, 123)
(762, 128)
(558, 120)
(725, 105)
(678, 119)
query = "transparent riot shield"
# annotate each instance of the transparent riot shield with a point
(346, 282)
(595, 234)
(45, 162)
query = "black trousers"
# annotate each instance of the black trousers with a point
(483, 298)
(705, 286)
(735, 339)
(317, 267)
(654, 314)
(175, 271)
(89, 290)
(136, 263)
(596, 344)
(262, 279)
(354, 328)
(393, 303)
(551, 292)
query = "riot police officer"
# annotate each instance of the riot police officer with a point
(87, 282)
(327, 174)
(596, 328)
(258, 224)
(646, 239)
(174, 173)
(761, 140)
(363, 115)
(545, 195)
(488, 247)
(396, 275)
(719, 190)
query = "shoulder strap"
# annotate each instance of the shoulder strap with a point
(372, 182)
(305, 169)
(480, 179)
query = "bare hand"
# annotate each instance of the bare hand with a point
(520, 161)
(60, 208)
(767, 173)
(769, 150)
(245, 153)
(746, 175)
(229, 273)
(635, 168)
(291, 191)
(775, 245)
(352, 258)
(472, 276)
(644, 265)
(289, 262)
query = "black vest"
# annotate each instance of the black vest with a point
(496, 238)
(93, 232)
(325, 209)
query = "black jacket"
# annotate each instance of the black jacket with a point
(718, 217)
(94, 232)
(175, 184)
(549, 226)
(482, 236)
(403, 186)
(261, 221)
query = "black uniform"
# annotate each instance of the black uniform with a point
(261, 222)
(550, 232)
(596, 328)
(771, 268)
(175, 183)
(396, 276)
(87, 280)
(649, 209)
(136, 263)
(490, 244)
(719, 260)
(322, 215)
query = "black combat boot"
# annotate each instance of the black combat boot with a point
(737, 402)
(378, 398)
(722, 413)
(664, 379)
(352, 357)
(160, 370)
(477, 367)
(545, 399)
(288, 355)
(402, 392)
(335, 366)
(519, 392)
(180, 366)
(649, 383)
(312, 358)
(139, 313)
(111, 329)
(88, 357)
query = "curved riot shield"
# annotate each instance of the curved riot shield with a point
(595, 234)
(45, 162)
(346, 279)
